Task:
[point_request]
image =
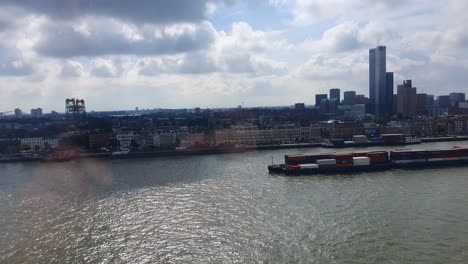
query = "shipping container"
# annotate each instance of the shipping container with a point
(361, 161)
(360, 154)
(446, 153)
(464, 152)
(304, 159)
(378, 157)
(326, 162)
(344, 159)
(309, 166)
(408, 155)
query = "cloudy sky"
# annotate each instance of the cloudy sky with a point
(119, 54)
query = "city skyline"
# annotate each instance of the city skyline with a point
(223, 54)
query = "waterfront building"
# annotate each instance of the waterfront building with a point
(192, 140)
(341, 130)
(99, 140)
(39, 143)
(252, 135)
(125, 138)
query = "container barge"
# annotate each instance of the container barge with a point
(338, 163)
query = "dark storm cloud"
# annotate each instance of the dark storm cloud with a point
(106, 38)
(141, 11)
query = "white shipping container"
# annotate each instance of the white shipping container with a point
(309, 166)
(361, 161)
(326, 162)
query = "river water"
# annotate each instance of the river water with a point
(228, 209)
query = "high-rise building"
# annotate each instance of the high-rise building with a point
(18, 113)
(324, 106)
(443, 101)
(335, 93)
(387, 104)
(379, 93)
(36, 113)
(299, 106)
(361, 99)
(421, 104)
(430, 100)
(319, 98)
(457, 97)
(348, 97)
(406, 99)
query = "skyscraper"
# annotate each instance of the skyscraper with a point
(348, 97)
(379, 94)
(421, 104)
(430, 100)
(444, 101)
(335, 93)
(18, 113)
(457, 97)
(319, 98)
(387, 103)
(406, 99)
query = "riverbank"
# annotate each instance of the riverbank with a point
(206, 151)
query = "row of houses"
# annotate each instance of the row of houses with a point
(39, 143)
(253, 135)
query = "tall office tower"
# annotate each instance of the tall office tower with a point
(335, 93)
(387, 104)
(457, 97)
(34, 113)
(406, 99)
(421, 104)
(430, 101)
(348, 97)
(444, 101)
(319, 98)
(379, 94)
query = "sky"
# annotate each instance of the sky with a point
(119, 54)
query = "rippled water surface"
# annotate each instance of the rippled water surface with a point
(228, 209)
